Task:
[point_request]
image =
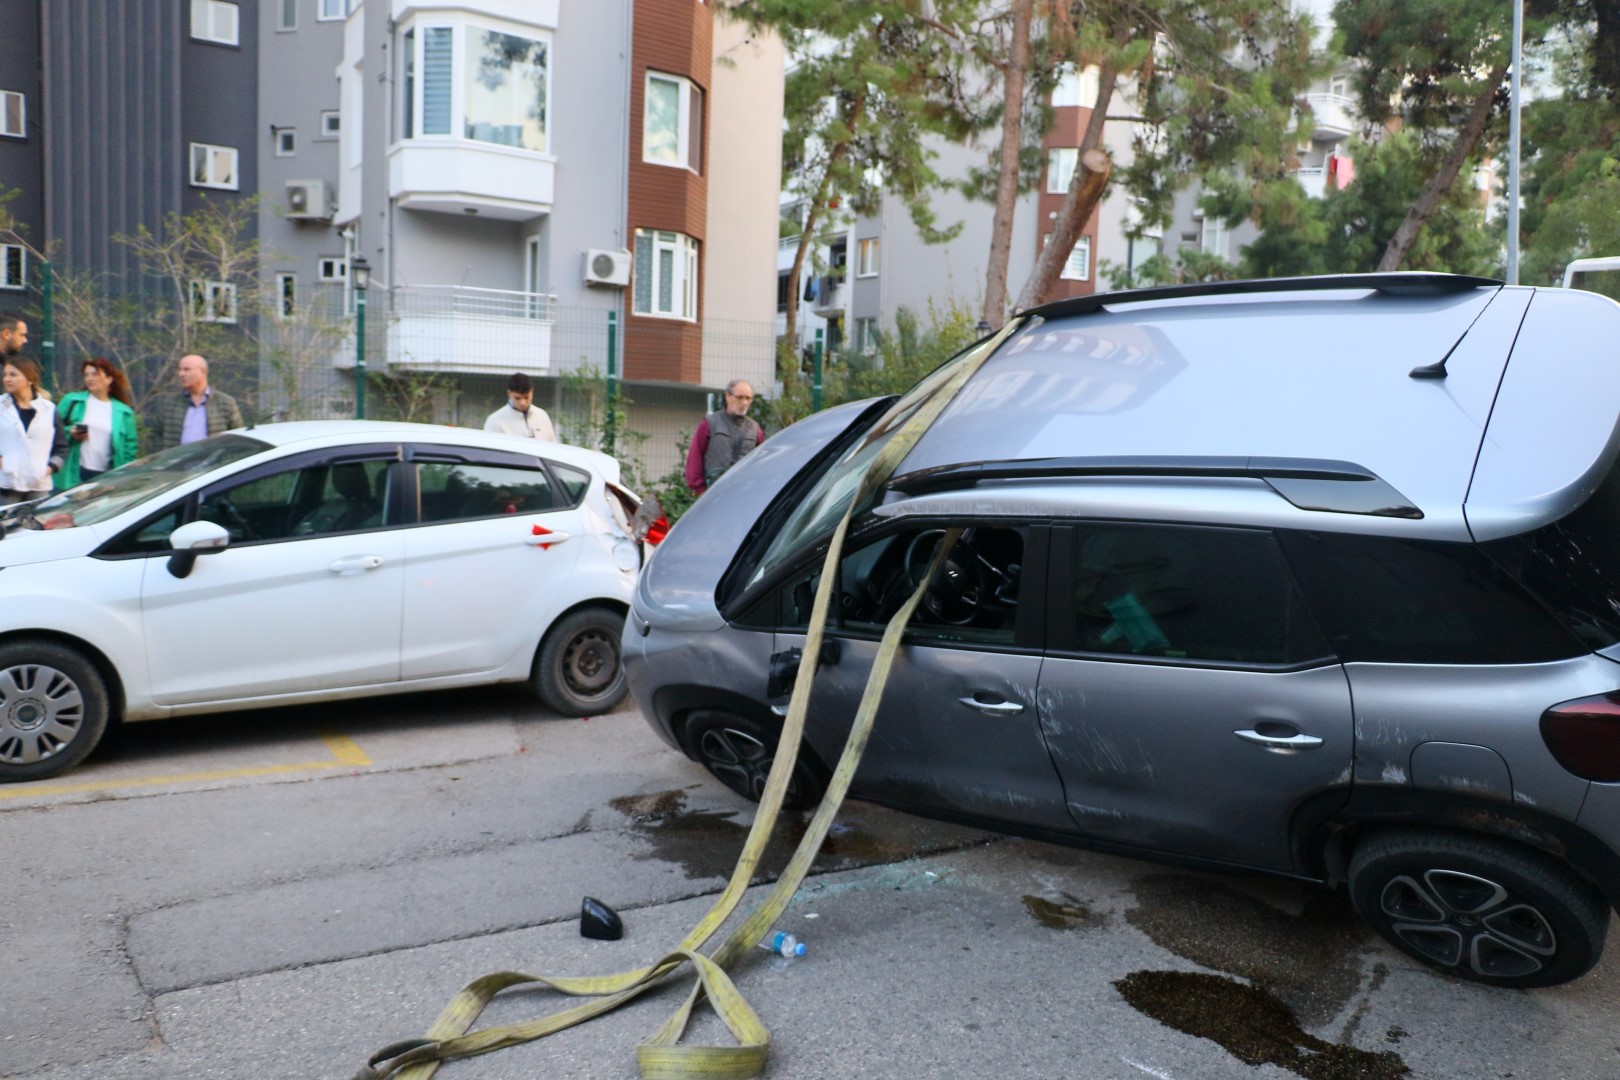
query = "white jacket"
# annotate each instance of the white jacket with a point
(534, 424)
(25, 454)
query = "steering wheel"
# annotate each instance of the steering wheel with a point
(958, 590)
(231, 518)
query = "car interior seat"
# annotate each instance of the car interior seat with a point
(354, 506)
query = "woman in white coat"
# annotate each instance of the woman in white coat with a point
(29, 453)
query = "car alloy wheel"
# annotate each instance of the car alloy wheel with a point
(1479, 908)
(53, 709)
(739, 753)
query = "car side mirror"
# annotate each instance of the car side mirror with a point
(192, 540)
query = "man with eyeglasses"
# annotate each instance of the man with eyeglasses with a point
(723, 438)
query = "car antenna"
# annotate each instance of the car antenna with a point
(1437, 370)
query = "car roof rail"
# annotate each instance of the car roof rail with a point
(1402, 283)
(1341, 487)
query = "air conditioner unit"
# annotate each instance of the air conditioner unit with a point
(309, 200)
(603, 267)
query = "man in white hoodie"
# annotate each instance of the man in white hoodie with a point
(520, 416)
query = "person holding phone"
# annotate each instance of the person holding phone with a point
(98, 423)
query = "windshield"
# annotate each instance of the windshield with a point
(112, 493)
(821, 508)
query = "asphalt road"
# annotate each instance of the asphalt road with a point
(278, 894)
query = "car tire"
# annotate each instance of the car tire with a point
(578, 670)
(1479, 908)
(739, 753)
(53, 709)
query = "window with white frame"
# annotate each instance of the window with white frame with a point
(866, 258)
(666, 275)
(217, 21)
(866, 335)
(213, 301)
(286, 142)
(213, 166)
(287, 11)
(13, 266)
(472, 82)
(333, 9)
(331, 123)
(284, 300)
(1078, 265)
(332, 269)
(1213, 240)
(672, 122)
(1077, 87)
(13, 114)
(1060, 165)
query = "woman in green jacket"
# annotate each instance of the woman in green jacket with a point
(99, 424)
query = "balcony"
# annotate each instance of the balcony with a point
(1313, 180)
(829, 297)
(462, 176)
(461, 330)
(1333, 116)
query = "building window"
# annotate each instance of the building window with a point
(213, 301)
(1060, 165)
(13, 266)
(286, 142)
(866, 259)
(495, 88)
(672, 122)
(866, 335)
(216, 21)
(13, 114)
(289, 15)
(1213, 240)
(332, 269)
(284, 300)
(666, 275)
(1078, 268)
(1077, 88)
(333, 9)
(213, 166)
(331, 123)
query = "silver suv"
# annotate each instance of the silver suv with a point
(1319, 577)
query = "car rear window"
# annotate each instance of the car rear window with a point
(1421, 602)
(1573, 565)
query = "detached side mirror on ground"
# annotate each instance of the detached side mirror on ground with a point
(192, 540)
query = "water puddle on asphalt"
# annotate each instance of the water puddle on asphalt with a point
(1252, 1025)
(1297, 969)
(1073, 914)
(706, 843)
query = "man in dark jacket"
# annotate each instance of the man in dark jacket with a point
(723, 438)
(196, 412)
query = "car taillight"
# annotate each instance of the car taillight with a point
(657, 531)
(1584, 735)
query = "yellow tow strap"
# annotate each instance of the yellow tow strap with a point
(662, 1056)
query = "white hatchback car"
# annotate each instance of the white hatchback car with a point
(308, 562)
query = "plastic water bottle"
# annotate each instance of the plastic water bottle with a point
(783, 944)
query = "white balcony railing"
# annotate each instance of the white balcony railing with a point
(458, 329)
(1313, 180)
(1333, 115)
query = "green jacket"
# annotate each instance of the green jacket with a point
(125, 440)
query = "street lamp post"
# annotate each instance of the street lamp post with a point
(360, 279)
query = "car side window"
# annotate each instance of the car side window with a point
(973, 600)
(1185, 593)
(346, 496)
(459, 491)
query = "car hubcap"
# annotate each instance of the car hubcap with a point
(742, 762)
(1460, 920)
(590, 663)
(41, 710)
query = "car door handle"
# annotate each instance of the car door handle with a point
(1285, 743)
(356, 564)
(543, 537)
(992, 708)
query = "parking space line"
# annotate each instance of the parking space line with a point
(345, 753)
